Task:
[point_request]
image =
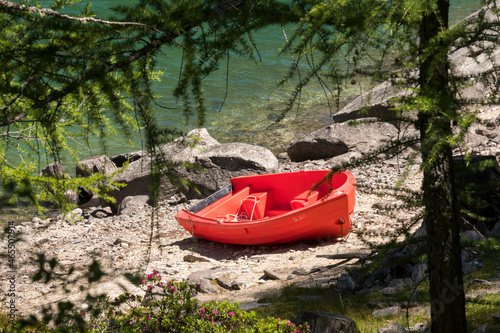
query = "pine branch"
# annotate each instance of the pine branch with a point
(50, 12)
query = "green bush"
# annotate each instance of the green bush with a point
(171, 307)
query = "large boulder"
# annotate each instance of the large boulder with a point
(219, 163)
(85, 168)
(223, 162)
(56, 170)
(131, 205)
(189, 147)
(239, 156)
(337, 139)
(377, 102)
(97, 164)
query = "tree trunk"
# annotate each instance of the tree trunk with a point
(441, 209)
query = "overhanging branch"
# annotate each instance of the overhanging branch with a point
(50, 12)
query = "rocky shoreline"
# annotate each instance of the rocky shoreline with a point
(130, 240)
(134, 242)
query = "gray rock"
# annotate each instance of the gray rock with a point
(272, 275)
(237, 284)
(54, 170)
(193, 258)
(219, 163)
(196, 143)
(375, 102)
(315, 269)
(314, 147)
(338, 139)
(466, 256)
(390, 311)
(224, 284)
(472, 235)
(346, 283)
(393, 328)
(471, 266)
(97, 164)
(481, 329)
(120, 240)
(480, 282)
(121, 159)
(378, 303)
(155, 294)
(419, 272)
(203, 280)
(240, 156)
(400, 283)
(495, 232)
(136, 178)
(390, 291)
(322, 322)
(89, 166)
(496, 318)
(300, 271)
(419, 327)
(132, 204)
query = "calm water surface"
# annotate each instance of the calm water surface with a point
(253, 100)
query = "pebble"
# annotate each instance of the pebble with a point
(390, 311)
(272, 275)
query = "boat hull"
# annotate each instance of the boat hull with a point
(289, 209)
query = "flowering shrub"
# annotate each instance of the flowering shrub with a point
(171, 307)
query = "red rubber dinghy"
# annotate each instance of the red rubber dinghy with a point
(275, 208)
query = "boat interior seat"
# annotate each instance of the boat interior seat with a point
(304, 199)
(256, 204)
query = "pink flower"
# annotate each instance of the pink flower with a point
(143, 281)
(216, 311)
(150, 287)
(150, 276)
(155, 272)
(83, 314)
(231, 313)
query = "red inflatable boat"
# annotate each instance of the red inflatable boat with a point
(275, 208)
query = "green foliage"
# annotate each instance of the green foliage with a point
(165, 307)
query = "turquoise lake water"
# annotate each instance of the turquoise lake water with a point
(253, 99)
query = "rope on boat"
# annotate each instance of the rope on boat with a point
(243, 216)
